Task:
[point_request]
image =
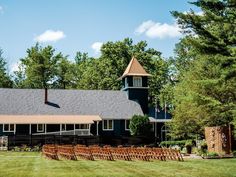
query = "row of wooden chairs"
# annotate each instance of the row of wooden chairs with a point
(110, 153)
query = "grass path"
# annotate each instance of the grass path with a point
(29, 164)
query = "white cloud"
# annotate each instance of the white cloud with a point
(200, 13)
(144, 27)
(14, 67)
(50, 36)
(96, 46)
(158, 30)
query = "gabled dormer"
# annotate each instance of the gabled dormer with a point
(135, 83)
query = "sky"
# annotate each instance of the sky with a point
(84, 25)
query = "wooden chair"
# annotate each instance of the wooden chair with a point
(50, 151)
(66, 151)
(83, 152)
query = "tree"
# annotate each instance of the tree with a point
(103, 72)
(65, 73)
(206, 92)
(140, 126)
(5, 79)
(40, 66)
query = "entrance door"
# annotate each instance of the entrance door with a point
(22, 129)
(164, 133)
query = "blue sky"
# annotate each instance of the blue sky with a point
(83, 25)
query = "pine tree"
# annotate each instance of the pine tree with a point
(5, 79)
(206, 94)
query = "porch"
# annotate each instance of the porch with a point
(49, 124)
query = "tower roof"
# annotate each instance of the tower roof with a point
(134, 69)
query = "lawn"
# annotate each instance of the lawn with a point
(23, 164)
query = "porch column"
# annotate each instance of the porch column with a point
(74, 129)
(97, 127)
(45, 129)
(155, 128)
(89, 128)
(29, 129)
(14, 129)
(60, 128)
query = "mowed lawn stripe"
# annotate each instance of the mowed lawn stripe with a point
(29, 164)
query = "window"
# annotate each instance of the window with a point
(126, 82)
(137, 81)
(40, 128)
(82, 126)
(107, 124)
(8, 127)
(127, 122)
(63, 127)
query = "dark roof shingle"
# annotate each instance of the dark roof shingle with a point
(107, 104)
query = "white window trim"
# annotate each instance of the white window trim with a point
(38, 128)
(126, 124)
(9, 128)
(140, 79)
(107, 126)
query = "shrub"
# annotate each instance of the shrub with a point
(180, 143)
(36, 149)
(140, 126)
(212, 154)
(16, 149)
(188, 143)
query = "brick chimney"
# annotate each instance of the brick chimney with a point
(46, 96)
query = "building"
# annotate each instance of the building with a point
(79, 112)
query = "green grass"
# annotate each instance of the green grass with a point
(24, 164)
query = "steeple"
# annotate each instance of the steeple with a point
(135, 83)
(134, 69)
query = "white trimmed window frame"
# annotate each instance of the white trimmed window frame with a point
(107, 122)
(9, 128)
(126, 124)
(137, 81)
(38, 130)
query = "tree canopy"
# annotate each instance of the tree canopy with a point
(205, 94)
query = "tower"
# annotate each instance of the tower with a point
(135, 83)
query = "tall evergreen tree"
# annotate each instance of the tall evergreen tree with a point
(206, 94)
(5, 79)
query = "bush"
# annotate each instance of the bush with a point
(140, 126)
(188, 143)
(36, 149)
(16, 149)
(212, 154)
(180, 143)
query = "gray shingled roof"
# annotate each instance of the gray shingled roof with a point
(107, 104)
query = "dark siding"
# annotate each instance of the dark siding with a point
(141, 96)
(145, 81)
(118, 129)
(53, 127)
(22, 129)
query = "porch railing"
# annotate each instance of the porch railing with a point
(82, 132)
